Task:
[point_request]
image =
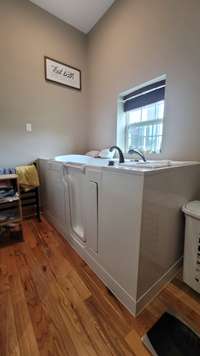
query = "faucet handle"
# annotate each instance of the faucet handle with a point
(111, 163)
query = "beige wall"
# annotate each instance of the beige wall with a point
(58, 114)
(136, 41)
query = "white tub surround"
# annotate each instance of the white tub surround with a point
(125, 221)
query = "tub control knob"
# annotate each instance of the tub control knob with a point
(111, 163)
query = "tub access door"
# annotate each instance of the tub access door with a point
(75, 179)
(83, 193)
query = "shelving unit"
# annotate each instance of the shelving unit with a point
(10, 210)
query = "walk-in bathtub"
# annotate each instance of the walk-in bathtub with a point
(125, 221)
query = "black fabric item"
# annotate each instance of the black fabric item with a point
(7, 192)
(7, 171)
(152, 96)
(170, 337)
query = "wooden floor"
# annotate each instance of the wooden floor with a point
(52, 304)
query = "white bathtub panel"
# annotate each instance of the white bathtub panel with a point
(120, 221)
(56, 192)
(162, 234)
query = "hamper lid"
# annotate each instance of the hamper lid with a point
(192, 209)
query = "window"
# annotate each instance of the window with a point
(143, 112)
(144, 127)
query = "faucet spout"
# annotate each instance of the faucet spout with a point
(132, 151)
(121, 156)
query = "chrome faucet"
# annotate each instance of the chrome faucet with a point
(121, 156)
(132, 151)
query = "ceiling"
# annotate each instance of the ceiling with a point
(81, 14)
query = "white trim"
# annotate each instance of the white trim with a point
(156, 288)
(146, 123)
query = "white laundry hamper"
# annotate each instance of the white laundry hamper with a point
(191, 263)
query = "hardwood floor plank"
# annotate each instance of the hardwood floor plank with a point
(24, 328)
(185, 297)
(52, 303)
(70, 285)
(40, 320)
(9, 345)
(68, 278)
(58, 335)
(66, 310)
(87, 321)
(49, 236)
(181, 307)
(111, 329)
(135, 344)
(96, 286)
(4, 273)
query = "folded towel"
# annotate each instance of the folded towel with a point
(27, 177)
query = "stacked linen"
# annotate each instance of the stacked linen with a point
(4, 171)
(7, 194)
(6, 191)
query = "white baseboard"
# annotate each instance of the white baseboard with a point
(134, 306)
(59, 227)
(156, 288)
(119, 292)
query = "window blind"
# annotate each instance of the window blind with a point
(145, 96)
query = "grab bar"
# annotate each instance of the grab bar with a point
(75, 165)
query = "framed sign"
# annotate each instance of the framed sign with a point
(62, 73)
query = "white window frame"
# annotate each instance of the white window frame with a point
(121, 134)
